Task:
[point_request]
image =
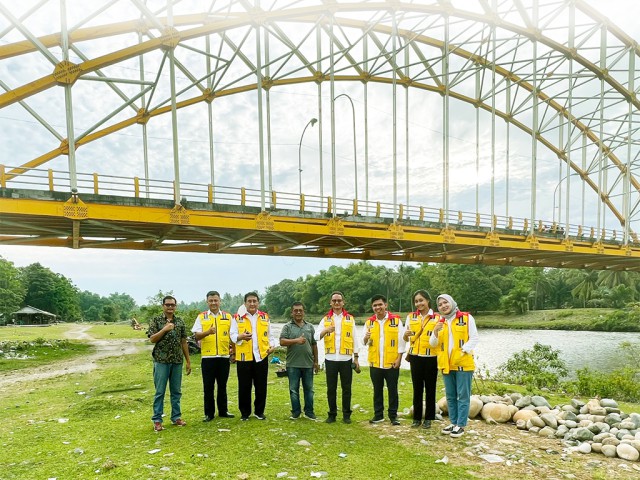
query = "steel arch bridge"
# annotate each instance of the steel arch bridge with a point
(497, 132)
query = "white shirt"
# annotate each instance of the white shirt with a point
(254, 335)
(337, 323)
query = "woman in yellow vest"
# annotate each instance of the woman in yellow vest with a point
(455, 336)
(422, 358)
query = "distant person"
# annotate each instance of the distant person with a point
(338, 329)
(383, 335)
(302, 360)
(251, 332)
(455, 336)
(422, 358)
(168, 333)
(211, 329)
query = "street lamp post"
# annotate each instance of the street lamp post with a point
(311, 122)
(355, 161)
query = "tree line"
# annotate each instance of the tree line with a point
(474, 287)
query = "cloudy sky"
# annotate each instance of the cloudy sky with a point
(142, 274)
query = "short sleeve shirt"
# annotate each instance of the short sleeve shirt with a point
(169, 348)
(299, 356)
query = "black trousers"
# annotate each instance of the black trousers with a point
(215, 370)
(334, 368)
(380, 376)
(252, 374)
(424, 374)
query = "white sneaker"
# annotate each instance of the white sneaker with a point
(457, 432)
(447, 430)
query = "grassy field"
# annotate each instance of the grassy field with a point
(97, 425)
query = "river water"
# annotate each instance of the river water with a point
(597, 350)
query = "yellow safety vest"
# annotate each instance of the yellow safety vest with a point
(458, 360)
(419, 344)
(218, 343)
(244, 352)
(390, 347)
(346, 337)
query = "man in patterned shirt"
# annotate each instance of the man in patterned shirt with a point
(168, 333)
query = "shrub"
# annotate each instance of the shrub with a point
(540, 367)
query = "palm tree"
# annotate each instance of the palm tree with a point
(588, 284)
(401, 280)
(613, 278)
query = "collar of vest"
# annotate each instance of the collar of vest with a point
(389, 317)
(344, 313)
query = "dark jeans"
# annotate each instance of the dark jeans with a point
(252, 374)
(424, 373)
(295, 375)
(378, 378)
(333, 369)
(215, 370)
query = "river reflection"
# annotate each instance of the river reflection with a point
(597, 350)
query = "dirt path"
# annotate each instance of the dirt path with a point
(82, 364)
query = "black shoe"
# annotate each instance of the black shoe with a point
(311, 416)
(244, 419)
(207, 418)
(376, 420)
(259, 417)
(395, 421)
(426, 424)
(330, 419)
(294, 416)
(227, 415)
(346, 420)
(416, 423)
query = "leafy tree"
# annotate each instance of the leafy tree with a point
(12, 290)
(516, 301)
(280, 296)
(401, 281)
(613, 278)
(125, 304)
(51, 292)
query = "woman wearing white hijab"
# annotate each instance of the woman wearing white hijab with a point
(455, 337)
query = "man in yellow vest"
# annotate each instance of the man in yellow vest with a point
(338, 328)
(383, 334)
(251, 332)
(211, 329)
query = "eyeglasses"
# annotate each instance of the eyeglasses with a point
(169, 305)
(336, 300)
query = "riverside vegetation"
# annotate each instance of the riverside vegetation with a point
(96, 425)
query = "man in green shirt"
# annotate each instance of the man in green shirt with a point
(302, 360)
(168, 333)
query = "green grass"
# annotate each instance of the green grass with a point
(564, 319)
(38, 353)
(108, 433)
(29, 333)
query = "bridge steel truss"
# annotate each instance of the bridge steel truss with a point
(557, 72)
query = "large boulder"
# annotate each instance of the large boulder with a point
(582, 434)
(524, 415)
(608, 403)
(550, 420)
(475, 406)
(609, 451)
(523, 402)
(497, 412)
(540, 401)
(627, 452)
(442, 405)
(594, 408)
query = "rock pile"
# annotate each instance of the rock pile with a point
(595, 426)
